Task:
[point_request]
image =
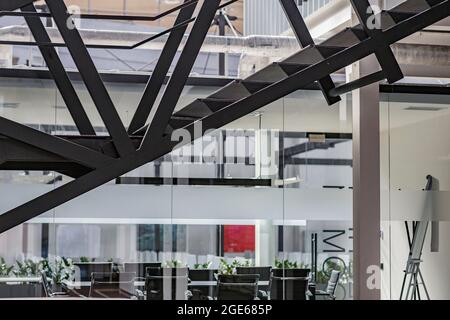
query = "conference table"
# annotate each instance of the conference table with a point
(82, 288)
(73, 285)
(83, 284)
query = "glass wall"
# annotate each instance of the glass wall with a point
(317, 173)
(271, 190)
(415, 183)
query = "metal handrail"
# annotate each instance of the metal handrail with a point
(106, 46)
(102, 16)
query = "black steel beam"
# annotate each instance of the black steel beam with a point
(307, 135)
(305, 39)
(180, 74)
(59, 74)
(383, 52)
(417, 23)
(195, 181)
(67, 192)
(59, 146)
(159, 73)
(358, 83)
(317, 162)
(309, 146)
(297, 23)
(91, 78)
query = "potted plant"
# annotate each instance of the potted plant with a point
(227, 268)
(230, 268)
(247, 263)
(58, 270)
(86, 260)
(173, 264)
(286, 268)
(5, 270)
(27, 268)
(285, 264)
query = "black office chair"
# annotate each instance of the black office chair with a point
(152, 271)
(202, 292)
(264, 275)
(167, 287)
(296, 273)
(330, 291)
(237, 287)
(289, 288)
(47, 287)
(140, 267)
(113, 285)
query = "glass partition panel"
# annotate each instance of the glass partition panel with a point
(259, 197)
(415, 182)
(316, 155)
(23, 249)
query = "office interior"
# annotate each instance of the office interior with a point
(259, 209)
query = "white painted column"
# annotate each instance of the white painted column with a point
(366, 185)
(265, 243)
(6, 56)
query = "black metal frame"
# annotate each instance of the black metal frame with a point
(180, 74)
(305, 39)
(91, 78)
(383, 52)
(95, 160)
(159, 73)
(58, 72)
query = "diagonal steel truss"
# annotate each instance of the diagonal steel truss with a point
(95, 160)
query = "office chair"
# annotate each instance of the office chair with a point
(113, 285)
(289, 288)
(155, 271)
(264, 275)
(237, 287)
(333, 282)
(202, 292)
(140, 267)
(295, 273)
(167, 287)
(48, 290)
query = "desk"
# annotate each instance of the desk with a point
(20, 279)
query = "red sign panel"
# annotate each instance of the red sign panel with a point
(239, 238)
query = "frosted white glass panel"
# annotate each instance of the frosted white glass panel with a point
(135, 204)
